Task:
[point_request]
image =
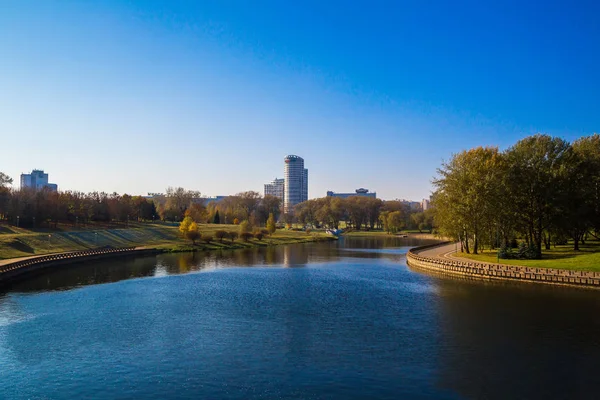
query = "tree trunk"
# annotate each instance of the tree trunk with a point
(475, 244)
(576, 243)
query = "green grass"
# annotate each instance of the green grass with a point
(561, 257)
(18, 242)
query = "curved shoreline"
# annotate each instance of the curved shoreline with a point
(489, 271)
(10, 272)
(20, 268)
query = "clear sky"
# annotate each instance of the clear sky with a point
(134, 96)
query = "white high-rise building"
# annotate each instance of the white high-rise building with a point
(296, 182)
(425, 205)
(275, 188)
(37, 180)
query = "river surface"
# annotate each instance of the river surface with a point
(345, 320)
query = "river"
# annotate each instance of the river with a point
(345, 320)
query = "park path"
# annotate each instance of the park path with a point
(444, 251)
(7, 261)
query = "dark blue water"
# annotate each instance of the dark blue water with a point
(345, 320)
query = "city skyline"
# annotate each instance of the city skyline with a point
(108, 96)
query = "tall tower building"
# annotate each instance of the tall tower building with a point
(296, 182)
(305, 185)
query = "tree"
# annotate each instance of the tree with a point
(233, 235)
(246, 236)
(395, 221)
(217, 218)
(184, 226)
(5, 180)
(178, 200)
(258, 235)
(197, 212)
(587, 150)
(418, 220)
(269, 205)
(271, 226)
(192, 233)
(536, 177)
(220, 235)
(468, 190)
(245, 227)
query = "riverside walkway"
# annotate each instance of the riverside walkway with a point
(440, 259)
(15, 267)
(443, 251)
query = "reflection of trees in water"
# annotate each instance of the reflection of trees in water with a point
(270, 255)
(295, 255)
(86, 273)
(70, 276)
(521, 341)
(383, 241)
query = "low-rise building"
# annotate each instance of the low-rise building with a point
(358, 192)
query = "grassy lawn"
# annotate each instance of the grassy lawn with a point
(561, 257)
(18, 242)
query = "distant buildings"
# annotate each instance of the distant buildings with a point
(425, 204)
(37, 180)
(412, 205)
(276, 188)
(358, 192)
(215, 199)
(296, 182)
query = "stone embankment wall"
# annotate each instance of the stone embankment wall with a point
(9, 272)
(500, 271)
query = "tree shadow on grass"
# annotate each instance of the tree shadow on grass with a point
(20, 246)
(6, 229)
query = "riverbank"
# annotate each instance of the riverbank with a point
(559, 257)
(18, 243)
(439, 259)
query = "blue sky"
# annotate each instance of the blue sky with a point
(135, 96)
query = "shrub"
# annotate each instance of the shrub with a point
(259, 235)
(505, 252)
(265, 232)
(271, 225)
(236, 221)
(220, 235)
(207, 238)
(232, 235)
(526, 252)
(246, 236)
(193, 235)
(308, 231)
(244, 227)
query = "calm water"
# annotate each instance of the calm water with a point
(336, 320)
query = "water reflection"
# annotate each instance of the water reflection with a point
(518, 340)
(327, 320)
(296, 255)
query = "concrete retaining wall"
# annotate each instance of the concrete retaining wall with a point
(10, 272)
(500, 271)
